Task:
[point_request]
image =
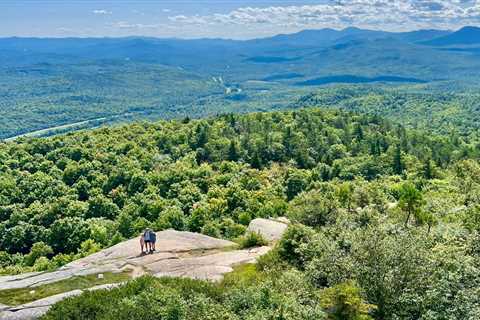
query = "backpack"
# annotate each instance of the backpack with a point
(153, 236)
(146, 235)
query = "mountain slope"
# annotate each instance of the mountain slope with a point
(464, 36)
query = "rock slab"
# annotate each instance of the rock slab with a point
(179, 254)
(271, 230)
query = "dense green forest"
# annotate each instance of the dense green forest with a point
(444, 112)
(385, 219)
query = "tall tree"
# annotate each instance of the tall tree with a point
(233, 151)
(428, 169)
(411, 201)
(398, 165)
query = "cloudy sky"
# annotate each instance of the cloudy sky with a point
(227, 19)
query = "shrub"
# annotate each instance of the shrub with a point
(43, 264)
(62, 259)
(314, 209)
(117, 238)
(171, 218)
(252, 239)
(294, 237)
(344, 302)
(5, 259)
(39, 249)
(271, 261)
(244, 218)
(211, 229)
(232, 230)
(88, 247)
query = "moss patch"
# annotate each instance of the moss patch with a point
(14, 297)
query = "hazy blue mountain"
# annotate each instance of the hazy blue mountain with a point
(157, 49)
(464, 36)
(422, 35)
(317, 38)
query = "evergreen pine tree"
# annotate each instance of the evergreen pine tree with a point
(232, 151)
(398, 165)
(427, 169)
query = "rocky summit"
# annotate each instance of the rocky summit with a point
(179, 254)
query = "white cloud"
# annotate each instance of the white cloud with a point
(196, 19)
(166, 10)
(375, 14)
(128, 25)
(102, 12)
(65, 30)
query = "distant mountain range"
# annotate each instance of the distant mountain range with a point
(308, 54)
(70, 80)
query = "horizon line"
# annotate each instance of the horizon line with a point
(231, 39)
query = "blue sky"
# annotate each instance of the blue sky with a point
(237, 19)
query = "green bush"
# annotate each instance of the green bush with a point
(244, 294)
(88, 247)
(212, 229)
(6, 259)
(252, 239)
(315, 208)
(43, 264)
(344, 302)
(289, 246)
(230, 229)
(171, 218)
(271, 261)
(62, 259)
(39, 249)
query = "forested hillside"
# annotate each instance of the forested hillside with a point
(385, 219)
(447, 113)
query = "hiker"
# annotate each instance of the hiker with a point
(153, 239)
(146, 238)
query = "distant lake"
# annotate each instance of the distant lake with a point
(284, 76)
(356, 79)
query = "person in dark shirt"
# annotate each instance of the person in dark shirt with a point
(146, 238)
(153, 240)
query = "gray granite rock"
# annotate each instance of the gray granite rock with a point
(106, 286)
(179, 254)
(3, 307)
(45, 302)
(270, 229)
(25, 314)
(208, 267)
(35, 309)
(121, 256)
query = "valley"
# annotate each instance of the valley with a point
(151, 79)
(327, 174)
